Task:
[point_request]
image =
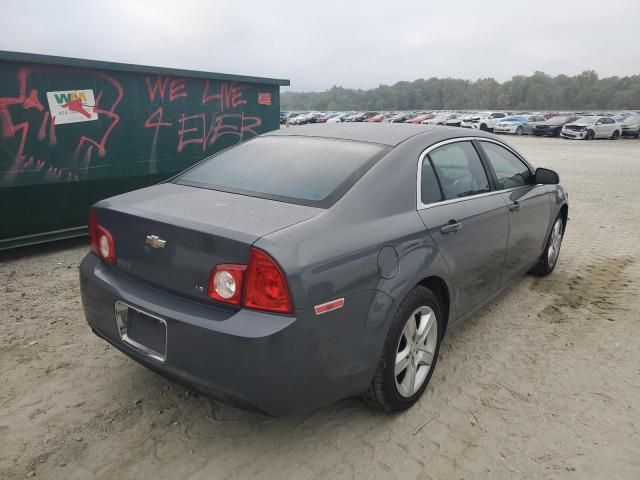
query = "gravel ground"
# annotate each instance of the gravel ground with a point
(544, 383)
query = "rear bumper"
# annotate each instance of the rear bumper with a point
(630, 132)
(279, 364)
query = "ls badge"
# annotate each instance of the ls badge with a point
(155, 241)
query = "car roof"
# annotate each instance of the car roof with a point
(390, 134)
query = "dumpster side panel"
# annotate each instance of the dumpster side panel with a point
(71, 135)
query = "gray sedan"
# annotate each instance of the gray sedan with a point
(317, 263)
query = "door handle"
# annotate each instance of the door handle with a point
(451, 227)
(514, 207)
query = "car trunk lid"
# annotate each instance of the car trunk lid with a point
(171, 236)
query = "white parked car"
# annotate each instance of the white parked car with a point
(456, 121)
(588, 128)
(297, 119)
(441, 118)
(339, 118)
(483, 121)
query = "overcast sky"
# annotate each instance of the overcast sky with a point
(317, 44)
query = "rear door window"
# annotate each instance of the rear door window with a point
(510, 171)
(459, 170)
(304, 170)
(429, 188)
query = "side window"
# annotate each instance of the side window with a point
(429, 188)
(498, 115)
(459, 170)
(510, 171)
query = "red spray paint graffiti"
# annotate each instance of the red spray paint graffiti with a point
(203, 128)
(187, 116)
(26, 162)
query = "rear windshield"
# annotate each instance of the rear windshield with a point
(303, 170)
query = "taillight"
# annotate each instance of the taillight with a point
(101, 240)
(92, 224)
(265, 288)
(260, 285)
(225, 283)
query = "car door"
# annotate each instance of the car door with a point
(466, 219)
(494, 119)
(528, 125)
(611, 125)
(601, 129)
(528, 204)
(533, 121)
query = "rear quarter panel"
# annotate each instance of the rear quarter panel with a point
(336, 255)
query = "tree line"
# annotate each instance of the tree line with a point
(539, 91)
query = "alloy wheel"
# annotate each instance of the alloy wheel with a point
(554, 243)
(415, 351)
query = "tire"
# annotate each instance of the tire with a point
(484, 127)
(615, 135)
(590, 135)
(519, 131)
(549, 258)
(394, 393)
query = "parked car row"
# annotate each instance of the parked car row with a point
(579, 125)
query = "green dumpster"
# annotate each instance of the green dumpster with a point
(75, 131)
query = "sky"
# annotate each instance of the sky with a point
(321, 43)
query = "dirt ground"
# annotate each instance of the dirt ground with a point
(544, 384)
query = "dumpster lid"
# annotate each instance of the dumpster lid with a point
(128, 67)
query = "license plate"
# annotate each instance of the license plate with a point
(143, 331)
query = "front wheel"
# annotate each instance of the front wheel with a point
(519, 131)
(549, 257)
(590, 135)
(410, 353)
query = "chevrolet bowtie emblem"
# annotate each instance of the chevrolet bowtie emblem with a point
(155, 241)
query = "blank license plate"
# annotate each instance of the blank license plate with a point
(143, 331)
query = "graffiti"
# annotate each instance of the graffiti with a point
(34, 156)
(229, 96)
(138, 124)
(77, 106)
(202, 129)
(235, 124)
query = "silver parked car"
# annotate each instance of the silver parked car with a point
(519, 124)
(631, 126)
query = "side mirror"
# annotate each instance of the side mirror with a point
(547, 177)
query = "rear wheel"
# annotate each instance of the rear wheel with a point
(549, 257)
(615, 135)
(484, 127)
(410, 353)
(519, 131)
